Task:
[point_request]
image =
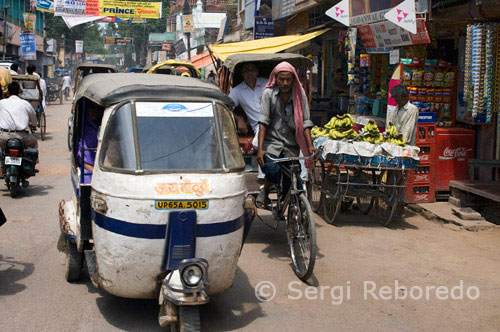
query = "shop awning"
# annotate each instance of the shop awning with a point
(262, 46)
(201, 60)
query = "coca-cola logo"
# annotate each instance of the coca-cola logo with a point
(460, 153)
(424, 157)
(423, 177)
(423, 197)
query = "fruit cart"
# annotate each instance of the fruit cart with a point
(372, 175)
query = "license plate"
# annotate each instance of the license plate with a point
(201, 204)
(13, 160)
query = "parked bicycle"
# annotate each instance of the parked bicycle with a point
(301, 229)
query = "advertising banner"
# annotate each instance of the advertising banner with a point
(340, 12)
(78, 46)
(109, 40)
(29, 22)
(187, 23)
(387, 34)
(404, 15)
(28, 46)
(92, 7)
(69, 7)
(130, 9)
(72, 21)
(45, 6)
(123, 41)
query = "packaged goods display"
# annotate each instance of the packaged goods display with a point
(482, 71)
(432, 88)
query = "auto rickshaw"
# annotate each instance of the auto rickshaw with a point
(229, 76)
(173, 67)
(162, 213)
(91, 68)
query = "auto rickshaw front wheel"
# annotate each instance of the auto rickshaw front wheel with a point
(188, 319)
(74, 262)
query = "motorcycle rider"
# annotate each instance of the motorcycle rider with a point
(16, 115)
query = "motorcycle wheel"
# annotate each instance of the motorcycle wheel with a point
(13, 189)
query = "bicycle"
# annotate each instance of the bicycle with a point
(301, 229)
(41, 122)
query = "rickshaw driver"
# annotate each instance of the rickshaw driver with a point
(16, 115)
(247, 95)
(89, 140)
(284, 125)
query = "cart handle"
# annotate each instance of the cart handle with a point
(281, 160)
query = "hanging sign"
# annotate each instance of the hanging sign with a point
(404, 15)
(72, 21)
(166, 47)
(28, 46)
(109, 40)
(129, 9)
(69, 7)
(123, 41)
(45, 6)
(263, 28)
(29, 22)
(179, 47)
(187, 23)
(340, 12)
(79, 46)
(387, 34)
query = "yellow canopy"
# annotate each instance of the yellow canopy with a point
(262, 46)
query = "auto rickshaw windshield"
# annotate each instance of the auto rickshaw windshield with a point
(172, 136)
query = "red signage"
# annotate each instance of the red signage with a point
(166, 47)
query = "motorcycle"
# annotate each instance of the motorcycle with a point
(18, 165)
(54, 92)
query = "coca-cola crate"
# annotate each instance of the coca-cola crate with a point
(426, 133)
(421, 174)
(420, 193)
(427, 154)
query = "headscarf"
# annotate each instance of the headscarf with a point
(298, 102)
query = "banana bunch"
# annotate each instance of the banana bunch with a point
(371, 134)
(348, 134)
(317, 132)
(391, 135)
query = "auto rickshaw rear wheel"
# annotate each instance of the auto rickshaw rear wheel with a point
(74, 262)
(189, 319)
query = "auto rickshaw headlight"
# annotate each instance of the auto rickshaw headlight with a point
(192, 275)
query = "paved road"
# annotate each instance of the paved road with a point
(356, 253)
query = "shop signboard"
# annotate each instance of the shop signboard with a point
(28, 46)
(45, 6)
(282, 8)
(79, 46)
(387, 34)
(224, 25)
(166, 47)
(123, 41)
(264, 28)
(29, 22)
(109, 40)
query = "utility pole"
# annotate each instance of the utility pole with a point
(5, 30)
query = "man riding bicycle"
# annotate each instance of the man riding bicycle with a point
(284, 126)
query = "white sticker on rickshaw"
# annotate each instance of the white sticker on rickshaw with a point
(184, 187)
(195, 110)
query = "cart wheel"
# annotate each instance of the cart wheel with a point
(365, 204)
(189, 319)
(332, 200)
(386, 205)
(74, 262)
(314, 193)
(43, 125)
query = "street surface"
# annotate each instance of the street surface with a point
(34, 295)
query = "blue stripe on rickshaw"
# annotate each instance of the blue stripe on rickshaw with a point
(148, 231)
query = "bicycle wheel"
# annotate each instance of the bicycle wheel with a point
(332, 201)
(43, 125)
(314, 184)
(302, 237)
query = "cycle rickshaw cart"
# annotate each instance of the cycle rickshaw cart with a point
(33, 94)
(163, 213)
(373, 175)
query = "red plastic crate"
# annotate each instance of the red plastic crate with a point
(427, 154)
(420, 193)
(422, 174)
(426, 133)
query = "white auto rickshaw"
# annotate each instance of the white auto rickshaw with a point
(160, 207)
